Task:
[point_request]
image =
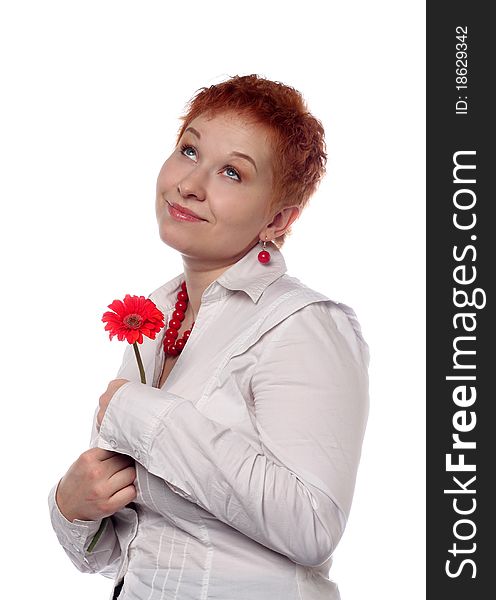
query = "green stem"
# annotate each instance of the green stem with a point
(97, 535)
(140, 363)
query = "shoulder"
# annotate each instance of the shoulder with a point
(290, 286)
(306, 312)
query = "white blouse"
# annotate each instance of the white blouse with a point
(246, 459)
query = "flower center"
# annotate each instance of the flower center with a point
(133, 321)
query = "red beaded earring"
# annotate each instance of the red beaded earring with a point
(264, 255)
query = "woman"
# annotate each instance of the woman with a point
(230, 474)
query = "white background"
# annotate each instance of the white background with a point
(92, 92)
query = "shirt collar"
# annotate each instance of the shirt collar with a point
(250, 275)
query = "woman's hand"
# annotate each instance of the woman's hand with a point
(106, 397)
(97, 485)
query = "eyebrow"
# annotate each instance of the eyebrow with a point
(234, 153)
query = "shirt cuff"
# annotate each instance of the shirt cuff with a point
(73, 534)
(131, 419)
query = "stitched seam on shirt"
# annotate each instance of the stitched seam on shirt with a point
(208, 562)
(165, 414)
(239, 344)
(300, 597)
(304, 292)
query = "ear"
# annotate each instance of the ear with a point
(282, 221)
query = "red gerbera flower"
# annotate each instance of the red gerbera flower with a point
(133, 318)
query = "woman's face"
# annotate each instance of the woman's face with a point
(207, 175)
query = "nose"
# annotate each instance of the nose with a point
(190, 187)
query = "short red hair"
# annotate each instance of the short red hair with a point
(297, 136)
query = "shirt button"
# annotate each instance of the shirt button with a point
(113, 443)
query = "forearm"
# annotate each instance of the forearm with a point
(216, 468)
(244, 488)
(292, 491)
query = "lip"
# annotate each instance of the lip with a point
(181, 213)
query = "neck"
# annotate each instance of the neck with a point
(197, 282)
(199, 274)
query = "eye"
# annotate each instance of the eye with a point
(186, 147)
(228, 168)
(235, 177)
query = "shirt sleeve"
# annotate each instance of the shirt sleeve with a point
(76, 538)
(310, 394)
(92, 546)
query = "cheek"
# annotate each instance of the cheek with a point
(239, 214)
(166, 175)
(247, 209)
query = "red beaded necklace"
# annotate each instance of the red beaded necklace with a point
(172, 345)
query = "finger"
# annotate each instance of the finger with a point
(121, 480)
(118, 462)
(102, 454)
(122, 497)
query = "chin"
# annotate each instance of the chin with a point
(173, 238)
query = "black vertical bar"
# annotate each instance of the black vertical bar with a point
(461, 353)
